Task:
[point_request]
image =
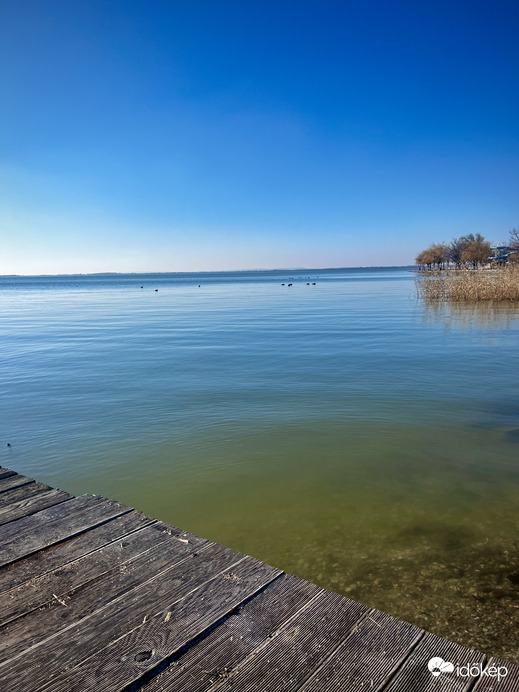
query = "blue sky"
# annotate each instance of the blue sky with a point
(200, 135)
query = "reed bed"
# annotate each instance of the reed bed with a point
(470, 286)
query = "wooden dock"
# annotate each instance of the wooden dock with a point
(96, 596)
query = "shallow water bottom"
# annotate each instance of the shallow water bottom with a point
(419, 523)
(344, 432)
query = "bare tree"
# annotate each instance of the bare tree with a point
(436, 256)
(457, 248)
(441, 252)
(477, 250)
(469, 250)
(420, 259)
(425, 259)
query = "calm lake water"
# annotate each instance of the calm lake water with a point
(344, 432)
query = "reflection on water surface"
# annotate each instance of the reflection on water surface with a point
(483, 315)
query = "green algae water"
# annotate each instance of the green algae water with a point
(342, 431)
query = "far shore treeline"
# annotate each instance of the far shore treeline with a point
(469, 252)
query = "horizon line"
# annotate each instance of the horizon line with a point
(211, 271)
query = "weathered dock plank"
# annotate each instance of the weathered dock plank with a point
(86, 600)
(414, 674)
(95, 596)
(508, 683)
(69, 549)
(40, 530)
(220, 652)
(57, 586)
(80, 639)
(288, 659)
(31, 505)
(22, 492)
(161, 636)
(13, 480)
(368, 657)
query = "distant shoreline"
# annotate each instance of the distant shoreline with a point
(216, 271)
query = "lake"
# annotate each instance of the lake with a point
(342, 431)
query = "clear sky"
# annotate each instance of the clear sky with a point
(153, 135)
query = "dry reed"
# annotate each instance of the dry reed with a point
(501, 283)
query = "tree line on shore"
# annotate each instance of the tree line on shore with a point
(468, 251)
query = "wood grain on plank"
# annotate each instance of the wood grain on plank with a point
(414, 673)
(163, 635)
(236, 638)
(54, 587)
(54, 656)
(13, 481)
(288, 659)
(29, 534)
(70, 549)
(490, 682)
(21, 493)
(74, 604)
(31, 505)
(368, 658)
(96, 596)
